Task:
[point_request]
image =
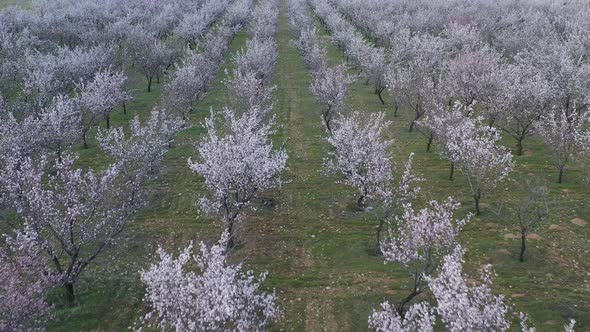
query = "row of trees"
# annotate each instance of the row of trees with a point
(68, 216)
(423, 242)
(62, 217)
(194, 74)
(369, 59)
(71, 216)
(523, 63)
(441, 69)
(237, 161)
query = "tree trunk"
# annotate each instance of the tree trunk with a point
(327, 123)
(400, 307)
(560, 178)
(58, 153)
(230, 230)
(522, 246)
(452, 171)
(108, 119)
(84, 139)
(379, 92)
(519, 148)
(395, 108)
(70, 295)
(125, 108)
(359, 203)
(150, 84)
(412, 124)
(477, 197)
(429, 144)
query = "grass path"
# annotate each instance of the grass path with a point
(317, 243)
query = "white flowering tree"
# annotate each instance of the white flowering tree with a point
(458, 305)
(71, 216)
(259, 57)
(24, 283)
(393, 196)
(216, 296)
(560, 130)
(415, 78)
(54, 129)
(419, 317)
(237, 161)
(360, 154)
(46, 75)
(374, 66)
(186, 85)
(249, 92)
(418, 241)
(330, 87)
(446, 126)
(98, 98)
(150, 54)
(480, 158)
(59, 125)
(531, 210)
(475, 76)
(526, 95)
(141, 151)
(467, 308)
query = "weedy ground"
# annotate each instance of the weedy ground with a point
(315, 245)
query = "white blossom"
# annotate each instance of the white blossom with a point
(418, 241)
(419, 317)
(237, 161)
(561, 131)
(217, 297)
(361, 154)
(330, 87)
(141, 152)
(463, 307)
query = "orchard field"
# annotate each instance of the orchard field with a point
(282, 135)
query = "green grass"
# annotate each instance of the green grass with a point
(18, 3)
(314, 245)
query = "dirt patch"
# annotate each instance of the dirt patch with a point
(535, 237)
(511, 236)
(491, 225)
(503, 251)
(517, 295)
(578, 221)
(556, 257)
(555, 227)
